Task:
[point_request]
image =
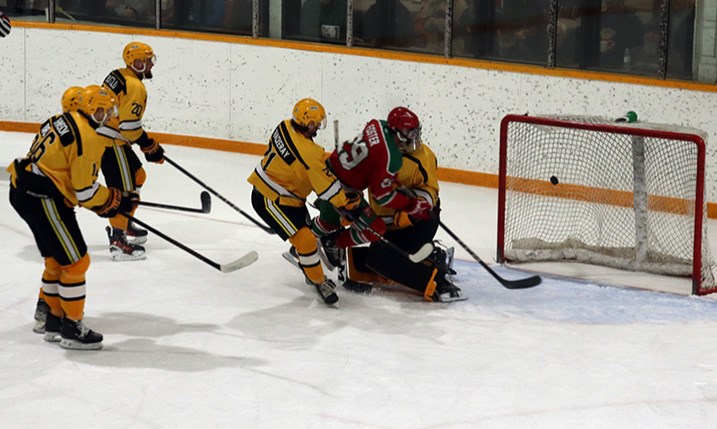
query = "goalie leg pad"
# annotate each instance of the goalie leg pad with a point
(388, 263)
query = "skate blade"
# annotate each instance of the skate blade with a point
(77, 345)
(122, 257)
(52, 337)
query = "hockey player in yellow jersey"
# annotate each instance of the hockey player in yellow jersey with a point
(121, 167)
(60, 172)
(293, 167)
(379, 263)
(70, 102)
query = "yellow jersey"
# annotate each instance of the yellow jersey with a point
(68, 151)
(418, 174)
(292, 167)
(131, 97)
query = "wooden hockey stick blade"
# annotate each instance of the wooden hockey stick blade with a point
(242, 262)
(206, 200)
(424, 252)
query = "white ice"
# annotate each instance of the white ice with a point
(187, 346)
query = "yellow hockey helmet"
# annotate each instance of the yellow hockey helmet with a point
(308, 110)
(138, 51)
(95, 98)
(71, 98)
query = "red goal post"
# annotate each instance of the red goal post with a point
(587, 189)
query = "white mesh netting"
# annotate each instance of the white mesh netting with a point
(597, 196)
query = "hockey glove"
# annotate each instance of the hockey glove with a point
(353, 204)
(419, 208)
(401, 219)
(118, 202)
(154, 153)
(152, 150)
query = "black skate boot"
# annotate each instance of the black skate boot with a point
(326, 291)
(447, 292)
(332, 255)
(77, 336)
(41, 311)
(135, 234)
(120, 249)
(53, 326)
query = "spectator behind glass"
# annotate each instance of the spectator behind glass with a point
(465, 26)
(430, 24)
(323, 19)
(620, 29)
(234, 15)
(387, 23)
(681, 37)
(645, 58)
(131, 9)
(520, 31)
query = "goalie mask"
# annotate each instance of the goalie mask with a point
(407, 128)
(309, 113)
(139, 57)
(99, 104)
(71, 99)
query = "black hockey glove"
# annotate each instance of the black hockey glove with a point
(152, 150)
(118, 202)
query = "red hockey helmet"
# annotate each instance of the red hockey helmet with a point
(405, 124)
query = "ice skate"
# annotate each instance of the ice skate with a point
(41, 311)
(447, 292)
(332, 255)
(135, 234)
(77, 336)
(53, 326)
(121, 249)
(326, 291)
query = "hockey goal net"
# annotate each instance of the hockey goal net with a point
(622, 195)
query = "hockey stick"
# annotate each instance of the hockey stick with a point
(422, 253)
(206, 200)
(242, 262)
(216, 194)
(508, 284)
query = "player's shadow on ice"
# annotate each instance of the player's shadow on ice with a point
(304, 320)
(143, 351)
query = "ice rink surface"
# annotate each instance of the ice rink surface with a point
(187, 346)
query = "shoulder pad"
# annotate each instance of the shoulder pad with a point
(116, 82)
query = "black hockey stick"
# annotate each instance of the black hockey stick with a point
(216, 194)
(206, 200)
(422, 253)
(242, 262)
(508, 284)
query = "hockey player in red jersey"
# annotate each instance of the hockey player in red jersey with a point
(373, 161)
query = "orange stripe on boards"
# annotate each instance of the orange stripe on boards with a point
(211, 143)
(473, 178)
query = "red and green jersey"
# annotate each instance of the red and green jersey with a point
(371, 161)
